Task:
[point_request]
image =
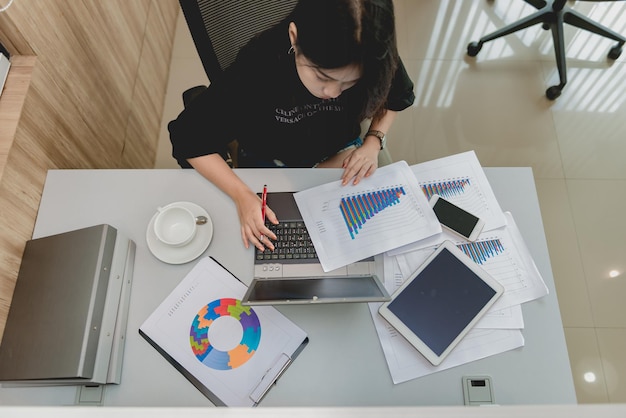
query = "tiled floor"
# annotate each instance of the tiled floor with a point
(495, 105)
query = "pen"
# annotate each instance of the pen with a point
(264, 202)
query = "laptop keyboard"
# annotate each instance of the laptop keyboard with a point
(293, 244)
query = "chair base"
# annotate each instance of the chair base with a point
(552, 14)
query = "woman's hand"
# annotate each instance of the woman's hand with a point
(363, 161)
(249, 205)
(253, 229)
(360, 162)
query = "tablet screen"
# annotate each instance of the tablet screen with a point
(441, 301)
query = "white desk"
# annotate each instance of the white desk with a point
(343, 365)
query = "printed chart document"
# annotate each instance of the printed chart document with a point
(406, 363)
(353, 222)
(232, 353)
(503, 254)
(460, 179)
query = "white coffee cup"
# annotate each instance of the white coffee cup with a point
(175, 225)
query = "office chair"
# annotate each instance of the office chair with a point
(552, 14)
(219, 28)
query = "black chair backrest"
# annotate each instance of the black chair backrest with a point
(220, 28)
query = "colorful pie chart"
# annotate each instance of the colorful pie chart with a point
(240, 353)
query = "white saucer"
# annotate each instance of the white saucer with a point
(189, 252)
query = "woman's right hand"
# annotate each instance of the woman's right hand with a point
(249, 205)
(253, 229)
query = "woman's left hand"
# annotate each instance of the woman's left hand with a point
(360, 162)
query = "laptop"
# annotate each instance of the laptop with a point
(292, 273)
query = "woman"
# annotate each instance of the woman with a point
(295, 97)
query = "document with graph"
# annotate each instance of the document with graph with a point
(503, 254)
(460, 179)
(406, 363)
(353, 222)
(231, 353)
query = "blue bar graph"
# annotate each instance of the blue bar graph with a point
(446, 189)
(481, 251)
(357, 210)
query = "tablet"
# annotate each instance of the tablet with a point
(441, 302)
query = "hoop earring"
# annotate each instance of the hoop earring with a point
(291, 50)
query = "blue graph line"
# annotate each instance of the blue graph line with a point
(356, 210)
(446, 188)
(480, 251)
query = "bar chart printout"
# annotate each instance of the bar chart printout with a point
(357, 210)
(460, 179)
(446, 189)
(481, 251)
(350, 223)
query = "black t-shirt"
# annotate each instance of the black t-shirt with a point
(262, 103)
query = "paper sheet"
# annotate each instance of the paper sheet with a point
(406, 363)
(228, 348)
(496, 318)
(503, 254)
(353, 222)
(460, 179)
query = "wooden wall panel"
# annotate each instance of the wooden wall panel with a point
(12, 103)
(147, 108)
(95, 100)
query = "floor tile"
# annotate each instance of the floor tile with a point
(183, 43)
(494, 109)
(567, 269)
(401, 140)
(587, 118)
(589, 46)
(443, 29)
(612, 344)
(586, 364)
(598, 208)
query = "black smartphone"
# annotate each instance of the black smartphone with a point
(456, 219)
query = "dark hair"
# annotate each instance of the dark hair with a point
(336, 33)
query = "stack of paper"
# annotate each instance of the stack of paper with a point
(500, 250)
(389, 213)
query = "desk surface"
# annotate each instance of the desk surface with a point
(343, 365)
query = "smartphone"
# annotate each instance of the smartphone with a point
(456, 219)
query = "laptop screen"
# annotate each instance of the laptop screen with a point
(284, 205)
(327, 289)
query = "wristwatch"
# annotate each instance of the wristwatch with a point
(380, 135)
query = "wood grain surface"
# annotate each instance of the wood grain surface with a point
(86, 90)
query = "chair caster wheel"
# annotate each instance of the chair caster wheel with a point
(615, 52)
(553, 92)
(474, 48)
